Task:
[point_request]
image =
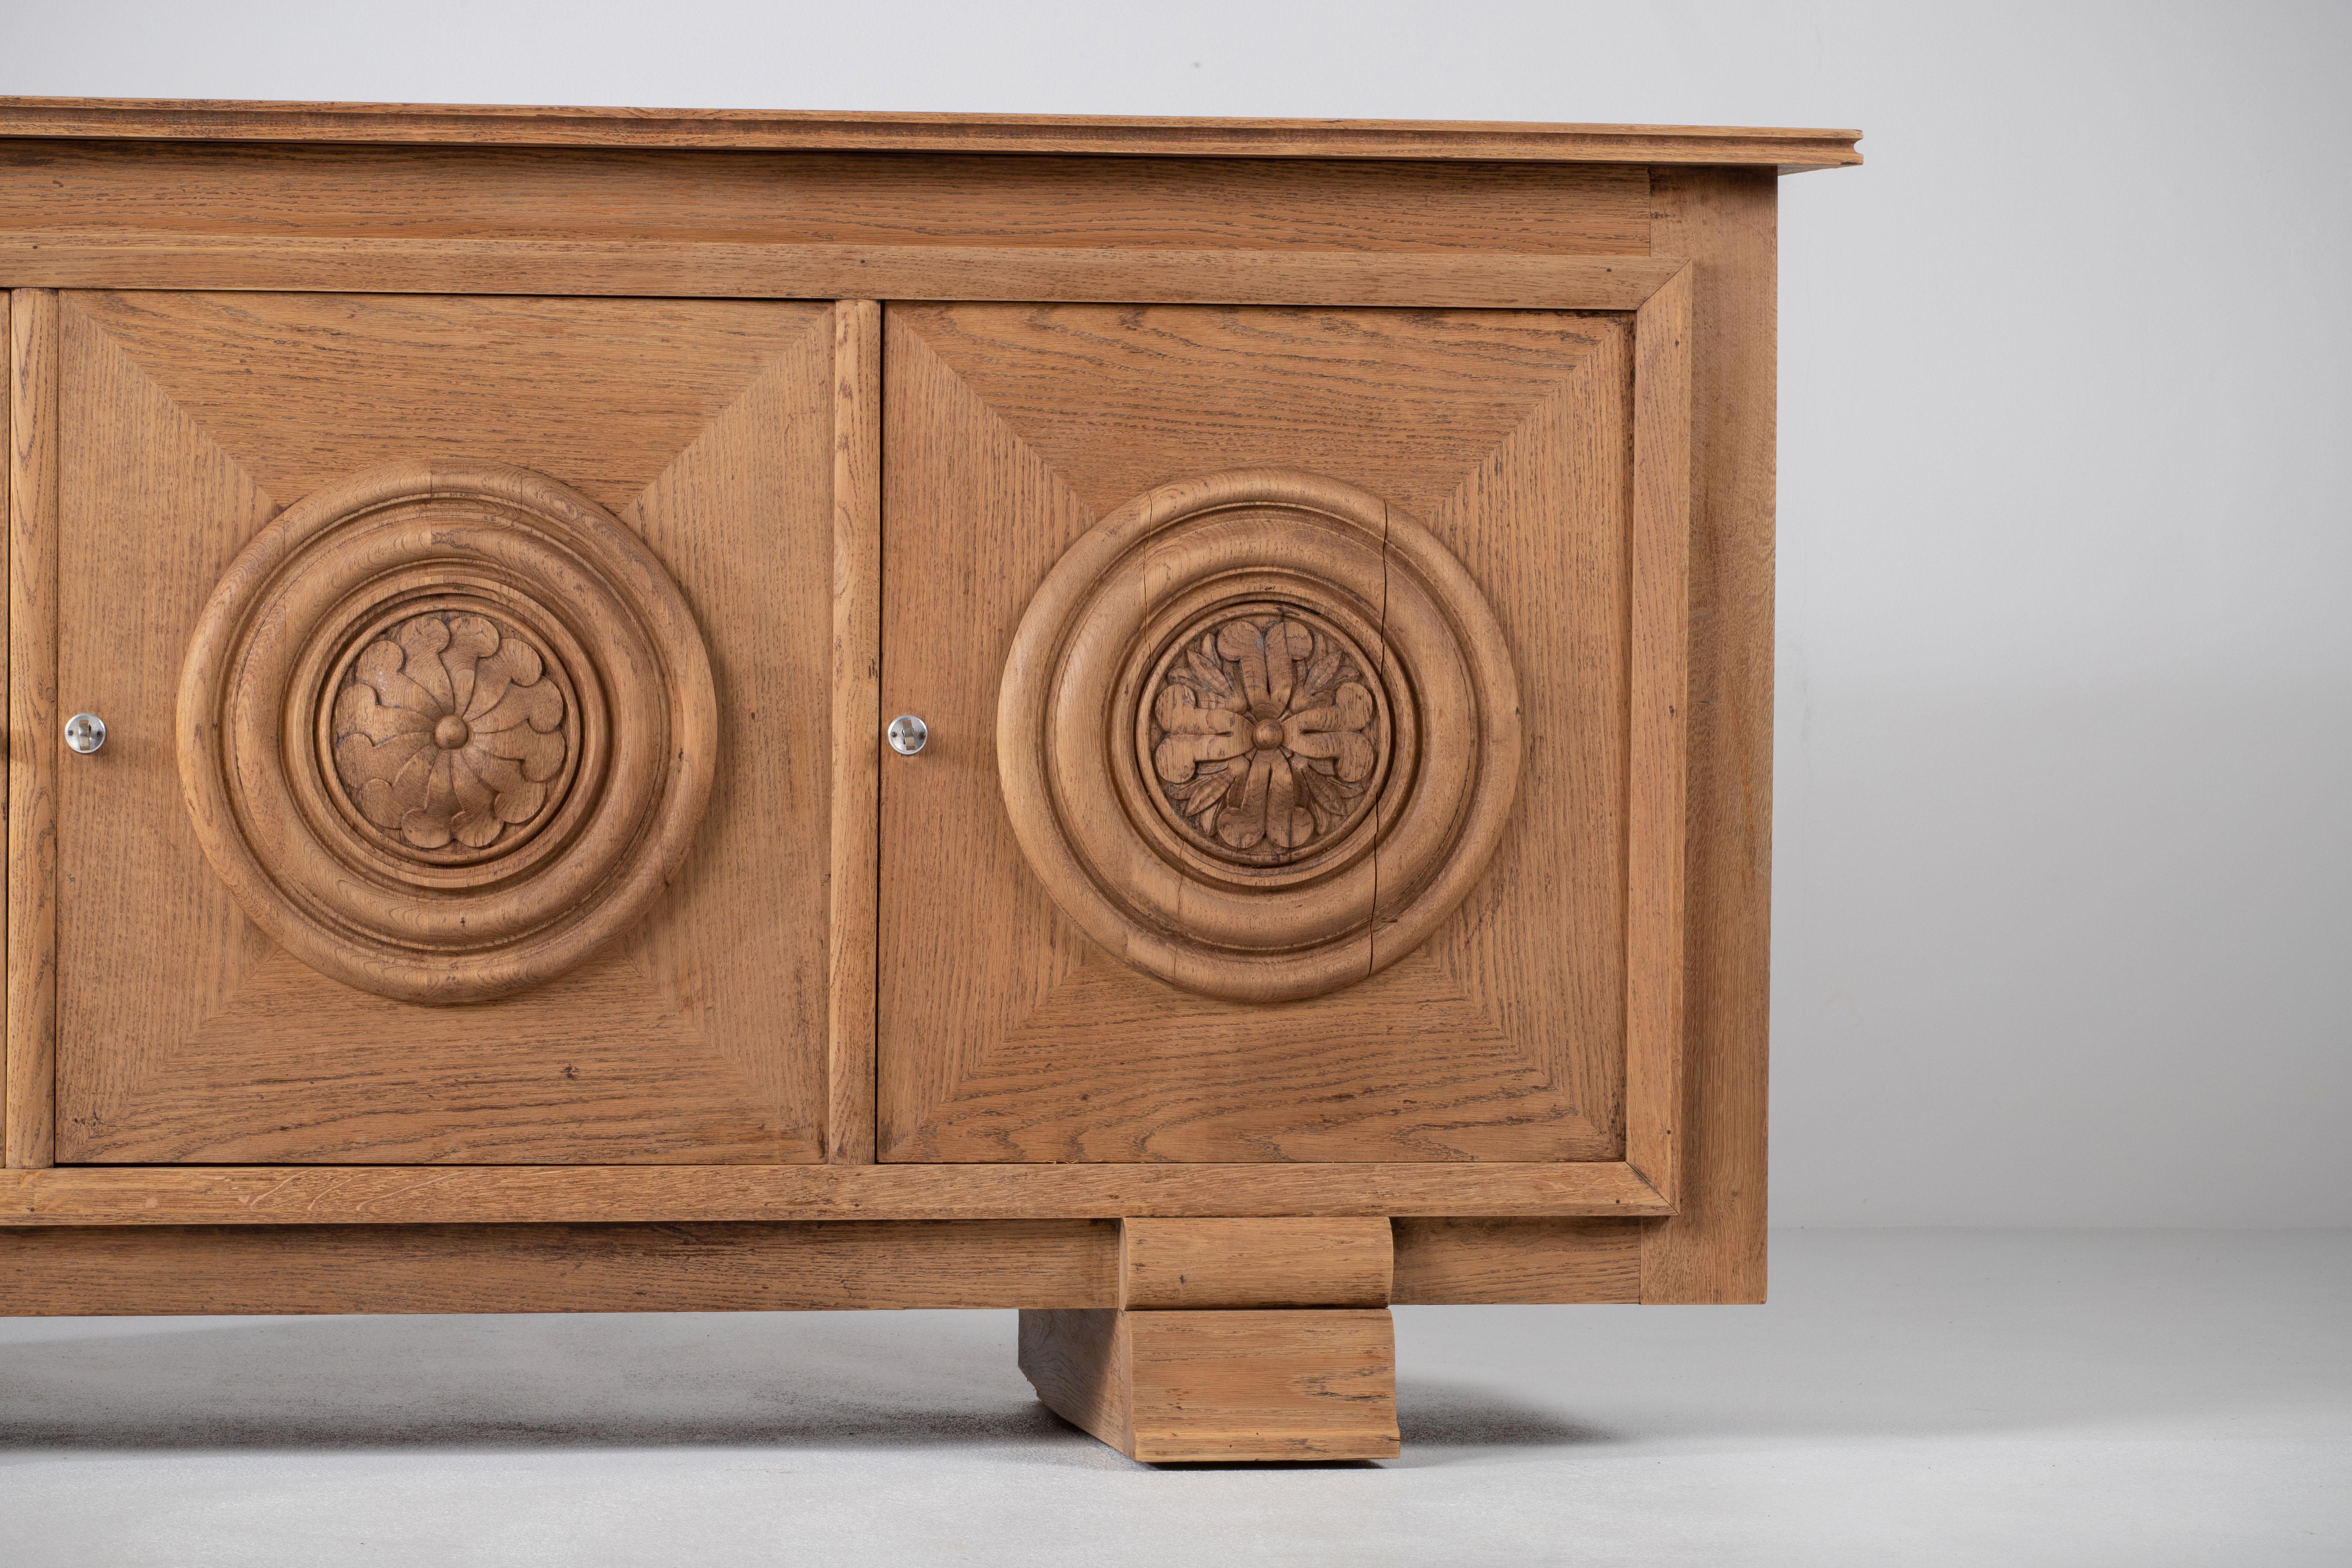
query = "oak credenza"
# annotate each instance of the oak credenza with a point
(1163, 723)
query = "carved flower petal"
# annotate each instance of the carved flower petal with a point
(425, 830)
(477, 832)
(377, 804)
(1339, 732)
(502, 773)
(1242, 823)
(521, 805)
(1244, 642)
(470, 638)
(1201, 668)
(358, 708)
(379, 665)
(540, 706)
(1193, 735)
(1315, 686)
(519, 799)
(541, 756)
(359, 759)
(440, 792)
(475, 797)
(1350, 708)
(421, 639)
(412, 783)
(1282, 806)
(515, 663)
(1175, 757)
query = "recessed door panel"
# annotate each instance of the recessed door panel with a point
(1276, 668)
(465, 669)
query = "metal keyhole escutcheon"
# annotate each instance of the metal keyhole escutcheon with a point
(85, 733)
(908, 734)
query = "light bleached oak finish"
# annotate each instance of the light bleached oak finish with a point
(33, 719)
(99, 259)
(855, 740)
(735, 128)
(706, 430)
(1479, 424)
(1489, 1260)
(1177, 1387)
(561, 1267)
(322, 1194)
(1712, 1247)
(1199, 1264)
(445, 728)
(1313, 736)
(505, 1267)
(7, 472)
(877, 202)
(1333, 559)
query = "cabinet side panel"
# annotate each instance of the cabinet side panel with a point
(1712, 1250)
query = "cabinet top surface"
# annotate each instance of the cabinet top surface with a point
(1789, 151)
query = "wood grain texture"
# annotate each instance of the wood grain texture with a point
(560, 1268)
(1314, 741)
(274, 1194)
(1005, 1033)
(1188, 1387)
(1130, 135)
(359, 193)
(1201, 1264)
(1445, 1261)
(104, 259)
(857, 728)
(706, 430)
(1658, 692)
(1712, 1250)
(757, 1267)
(33, 719)
(7, 472)
(444, 729)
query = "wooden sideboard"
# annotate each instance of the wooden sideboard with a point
(466, 572)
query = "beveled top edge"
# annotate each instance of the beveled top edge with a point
(211, 119)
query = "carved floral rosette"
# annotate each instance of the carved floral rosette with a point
(1258, 734)
(445, 731)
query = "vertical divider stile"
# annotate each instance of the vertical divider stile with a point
(31, 1073)
(854, 929)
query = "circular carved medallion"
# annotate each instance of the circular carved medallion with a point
(1258, 734)
(444, 732)
(452, 735)
(1265, 733)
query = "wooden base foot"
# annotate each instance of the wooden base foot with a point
(1173, 1386)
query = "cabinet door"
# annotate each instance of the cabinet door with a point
(491, 827)
(1277, 667)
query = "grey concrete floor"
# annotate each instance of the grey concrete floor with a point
(1909, 1397)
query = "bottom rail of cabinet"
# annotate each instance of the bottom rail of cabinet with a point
(784, 1266)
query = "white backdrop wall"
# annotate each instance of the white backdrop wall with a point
(2065, 669)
